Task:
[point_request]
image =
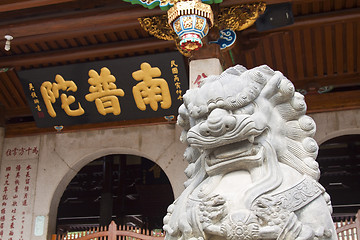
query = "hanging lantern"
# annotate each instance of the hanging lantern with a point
(191, 21)
(188, 21)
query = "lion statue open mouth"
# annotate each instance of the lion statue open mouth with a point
(252, 170)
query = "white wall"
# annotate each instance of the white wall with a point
(333, 124)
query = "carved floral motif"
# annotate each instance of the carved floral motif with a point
(299, 195)
(239, 17)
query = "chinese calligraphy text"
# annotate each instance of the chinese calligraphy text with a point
(135, 88)
(151, 90)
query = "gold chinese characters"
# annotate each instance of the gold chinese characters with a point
(175, 72)
(36, 101)
(103, 90)
(150, 90)
(50, 92)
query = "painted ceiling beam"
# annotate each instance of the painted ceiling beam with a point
(19, 5)
(7, 6)
(93, 18)
(86, 52)
(100, 50)
(109, 16)
(95, 30)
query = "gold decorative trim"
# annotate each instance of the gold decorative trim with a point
(236, 18)
(158, 26)
(177, 25)
(239, 17)
(199, 23)
(187, 22)
(184, 52)
(193, 7)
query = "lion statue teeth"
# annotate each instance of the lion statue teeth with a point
(252, 170)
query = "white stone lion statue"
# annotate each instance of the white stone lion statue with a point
(252, 170)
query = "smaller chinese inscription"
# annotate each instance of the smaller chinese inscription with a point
(21, 151)
(177, 83)
(199, 79)
(16, 201)
(36, 101)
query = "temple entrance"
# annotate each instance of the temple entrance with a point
(339, 161)
(127, 189)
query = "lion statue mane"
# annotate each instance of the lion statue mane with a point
(252, 170)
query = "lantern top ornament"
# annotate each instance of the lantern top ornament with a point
(190, 7)
(164, 4)
(191, 21)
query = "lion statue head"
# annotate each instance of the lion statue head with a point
(250, 149)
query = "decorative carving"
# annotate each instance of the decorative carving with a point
(164, 4)
(192, 20)
(190, 7)
(239, 17)
(199, 23)
(195, 20)
(184, 52)
(177, 26)
(299, 195)
(158, 26)
(226, 40)
(252, 170)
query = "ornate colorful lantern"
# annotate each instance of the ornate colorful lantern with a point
(188, 21)
(191, 21)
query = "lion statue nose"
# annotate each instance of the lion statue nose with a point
(218, 123)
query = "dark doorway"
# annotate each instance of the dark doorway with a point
(339, 161)
(128, 189)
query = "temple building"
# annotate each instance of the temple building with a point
(90, 91)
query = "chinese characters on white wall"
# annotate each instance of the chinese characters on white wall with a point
(17, 185)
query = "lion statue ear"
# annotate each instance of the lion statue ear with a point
(237, 70)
